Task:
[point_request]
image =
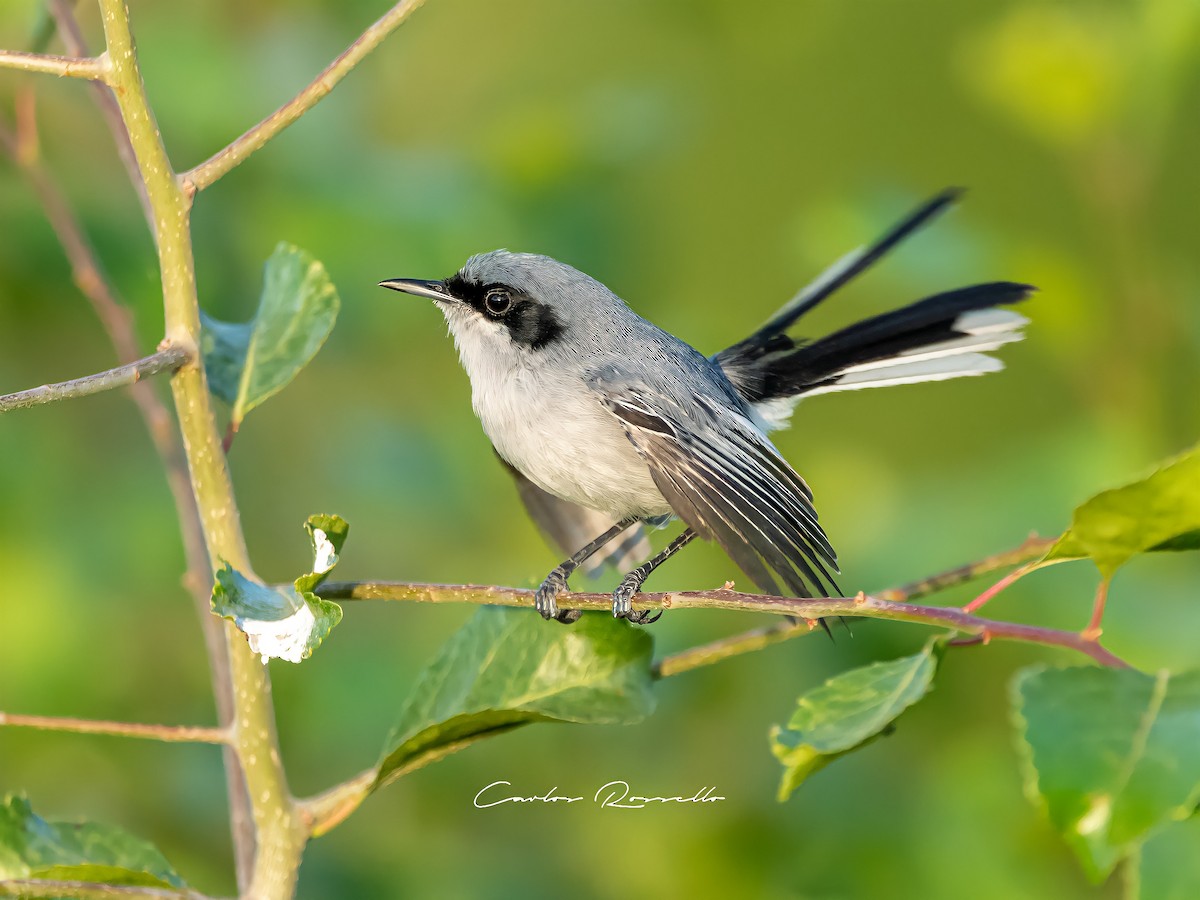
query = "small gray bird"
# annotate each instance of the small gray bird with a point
(609, 422)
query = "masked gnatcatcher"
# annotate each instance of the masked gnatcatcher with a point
(608, 422)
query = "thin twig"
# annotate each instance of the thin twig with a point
(72, 38)
(28, 888)
(325, 811)
(209, 171)
(1033, 548)
(94, 68)
(166, 360)
(192, 734)
(1008, 580)
(804, 608)
(1093, 630)
(728, 647)
(114, 315)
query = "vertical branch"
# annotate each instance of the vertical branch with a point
(279, 829)
(117, 321)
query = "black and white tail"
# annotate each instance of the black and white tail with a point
(944, 336)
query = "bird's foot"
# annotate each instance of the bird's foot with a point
(644, 616)
(623, 601)
(546, 598)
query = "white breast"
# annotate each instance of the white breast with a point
(554, 429)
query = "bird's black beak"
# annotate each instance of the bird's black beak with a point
(433, 290)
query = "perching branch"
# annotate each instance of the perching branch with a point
(222, 162)
(94, 68)
(1033, 548)
(861, 606)
(166, 360)
(328, 809)
(190, 734)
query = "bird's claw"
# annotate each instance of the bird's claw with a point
(546, 597)
(644, 616)
(623, 602)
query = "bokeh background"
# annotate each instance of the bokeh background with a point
(704, 160)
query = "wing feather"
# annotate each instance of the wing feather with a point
(780, 525)
(724, 479)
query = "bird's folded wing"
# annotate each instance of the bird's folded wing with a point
(726, 481)
(568, 526)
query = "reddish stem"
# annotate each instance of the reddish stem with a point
(1093, 630)
(1000, 585)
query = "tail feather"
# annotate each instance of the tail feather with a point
(845, 269)
(934, 325)
(940, 337)
(1005, 331)
(944, 336)
(896, 372)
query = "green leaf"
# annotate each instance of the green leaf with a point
(1113, 753)
(224, 345)
(1168, 865)
(31, 847)
(327, 534)
(1160, 512)
(249, 362)
(849, 711)
(279, 623)
(507, 667)
(1189, 540)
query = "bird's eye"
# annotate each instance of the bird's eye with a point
(498, 302)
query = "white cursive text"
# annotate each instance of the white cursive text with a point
(616, 796)
(549, 797)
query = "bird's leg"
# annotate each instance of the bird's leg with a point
(632, 583)
(556, 582)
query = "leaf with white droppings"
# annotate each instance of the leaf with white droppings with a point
(279, 623)
(328, 535)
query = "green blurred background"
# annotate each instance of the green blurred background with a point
(704, 160)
